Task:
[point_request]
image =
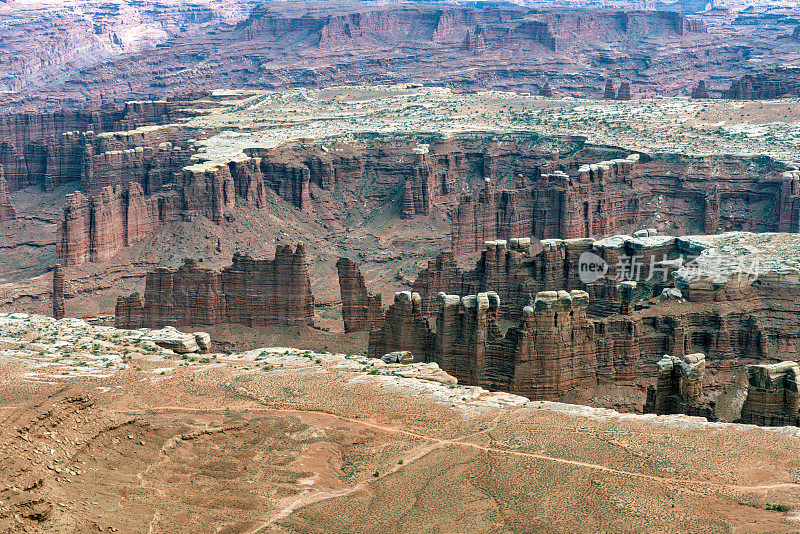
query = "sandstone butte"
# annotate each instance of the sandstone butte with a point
(361, 311)
(593, 197)
(138, 171)
(249, 292)
(7, 211)
(573, 335)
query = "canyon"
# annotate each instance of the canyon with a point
(729, 311)
(311, 44)
(399, 266)
(76, 34)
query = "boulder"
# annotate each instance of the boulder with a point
(402, 356)
(203, 340)
(171, 338)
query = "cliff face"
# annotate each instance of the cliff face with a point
(772, 395)
(58, 292)
(51, 149)
(417, 172)
(47, 42)
(575, 200)
(7, 211)
(249, 292)
(777, 83)
(679, 388)
(520, 268)
(403, 326)
(424, 178)
(578, 331)
(550, 196)
(700, 90)
(360, 310)
(95, 229)
(503, 46)
(557, 347)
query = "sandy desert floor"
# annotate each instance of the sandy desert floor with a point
(101, 432)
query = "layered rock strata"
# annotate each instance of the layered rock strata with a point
(624, 91)
(679, 388)
(52, 149)
(7, 211)
(700, 90)
(552, 196)
(772, 395)
(777, 83)
(556, 347)
(361, 311)
(95, 229)
(739, 312)
(403, 326)
(520, 268)
(250, 292)
(570, 200)
(160, 189)
(58, 292)
(502, 47)
(610, 92)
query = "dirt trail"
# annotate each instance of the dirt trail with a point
(438, 443)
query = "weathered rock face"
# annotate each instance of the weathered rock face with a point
(404, 329)
(50, 149)
(361, 311)
(789, 206)
(7, 211)
(679, 388)
(468, 336)
(48, 43)
(700, 90)
(626, 295)
(796, 34)
(520, 268)
(610, 93)
(474, 42)
(551, 352)
(249, 292)
(772, 395)
(150, 166)
(129, 312)
(624, 91)
(552, 347)
(731, 318)
(515, 270)
(58, 292)
(94, 229)
(394, 43)
(552, 196)
(176, 341)
(546, 90)
(778, 83)
(418, 172)
(428, 177)
(577, 200)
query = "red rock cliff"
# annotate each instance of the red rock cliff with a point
(7, 211)
(249, 292)
(360, 310)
